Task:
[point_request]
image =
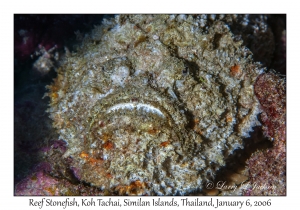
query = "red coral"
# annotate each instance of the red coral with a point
(38, 183)
(270, 91)
(267, 169)
(42, 184)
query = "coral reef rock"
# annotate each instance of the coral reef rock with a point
(153, 104)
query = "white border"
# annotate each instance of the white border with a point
(8, 8)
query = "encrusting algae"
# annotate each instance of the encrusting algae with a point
(153, 104)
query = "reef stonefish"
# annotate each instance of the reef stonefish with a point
(153, 104)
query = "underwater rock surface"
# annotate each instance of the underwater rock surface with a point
(153, 104)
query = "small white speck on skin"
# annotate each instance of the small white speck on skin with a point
(105, 157)
(155, 37)
(202, 23)
(93, 145)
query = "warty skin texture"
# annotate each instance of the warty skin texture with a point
(153, 104)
